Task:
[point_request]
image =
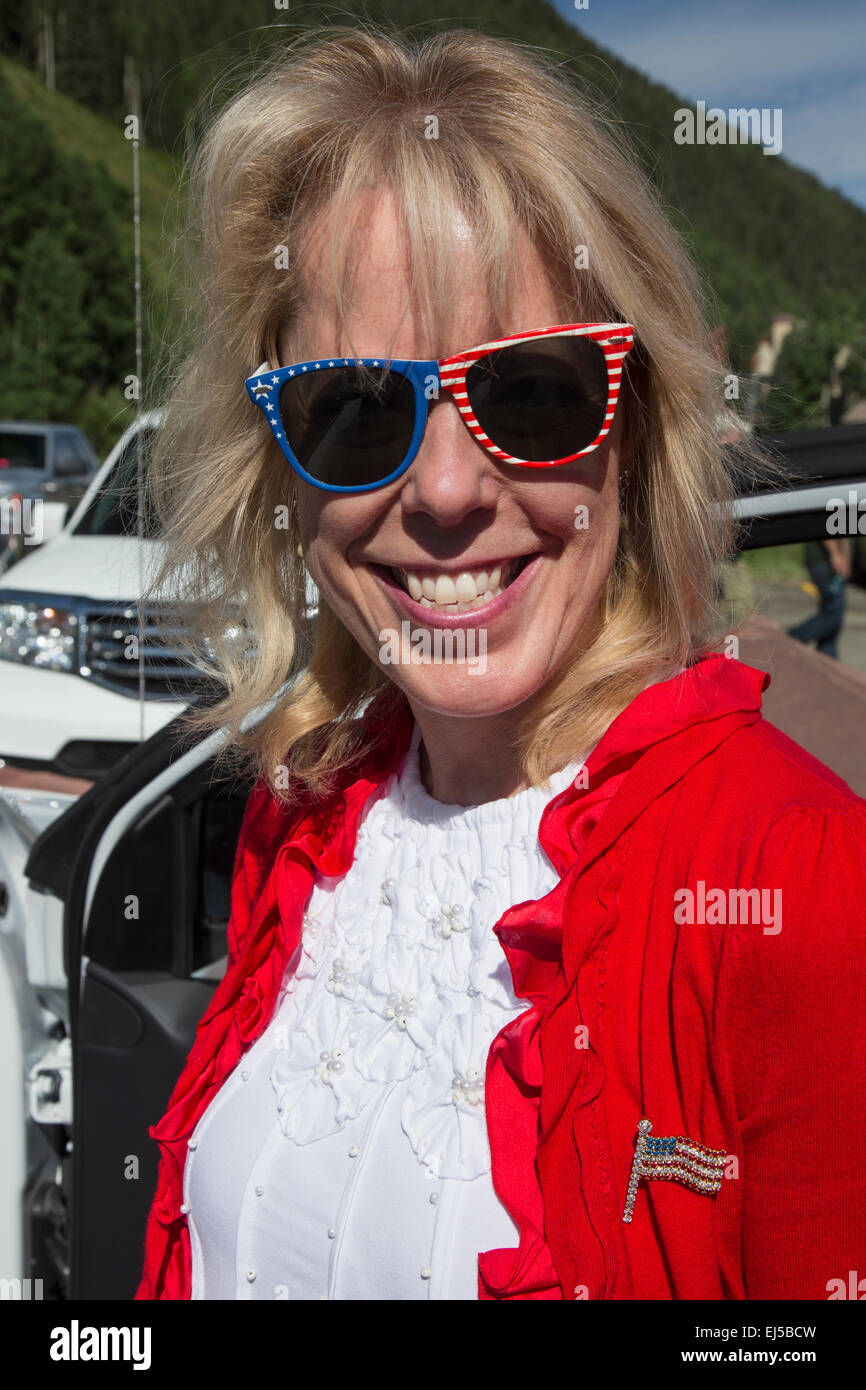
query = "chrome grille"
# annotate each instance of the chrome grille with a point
(109, 658)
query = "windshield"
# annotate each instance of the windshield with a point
(113, 509)
(18, 450)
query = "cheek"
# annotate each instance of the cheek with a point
(328, 528)
(583, 514)
(314, 541)
(322, 564)
(309, 516)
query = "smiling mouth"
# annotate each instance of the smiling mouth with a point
(459, 592)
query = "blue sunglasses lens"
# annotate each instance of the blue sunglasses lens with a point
(349, 427)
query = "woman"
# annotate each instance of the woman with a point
(523, 869)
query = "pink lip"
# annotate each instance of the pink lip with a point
(473, 617)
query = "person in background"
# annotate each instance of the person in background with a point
(829, 564)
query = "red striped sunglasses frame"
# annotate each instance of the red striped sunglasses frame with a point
(615, 340)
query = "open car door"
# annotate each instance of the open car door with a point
(143, 861)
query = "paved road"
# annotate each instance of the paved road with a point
(818, 702)
(785, 603)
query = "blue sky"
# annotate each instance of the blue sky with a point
(807, 58)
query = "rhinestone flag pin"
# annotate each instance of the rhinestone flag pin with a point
(675, 1159)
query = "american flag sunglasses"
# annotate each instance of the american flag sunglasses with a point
(538, 400)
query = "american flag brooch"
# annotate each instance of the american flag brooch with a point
(675, 1159)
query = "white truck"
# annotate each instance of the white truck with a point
(71, 700)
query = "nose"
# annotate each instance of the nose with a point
(451, 475)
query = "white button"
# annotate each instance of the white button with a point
(426, 1273)
(193, 1144)
(251, 1276)
(184, 1207)
(259, 1189)
(245, 1076)
(354, 1151)
(331, 1233)
(434, 1198)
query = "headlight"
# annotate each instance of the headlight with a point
(38, 635)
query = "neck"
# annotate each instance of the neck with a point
(466, 762)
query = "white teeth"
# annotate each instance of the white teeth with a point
(465, 586)
(458, 593)
(446, 590)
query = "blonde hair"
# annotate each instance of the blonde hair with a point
(518, 147)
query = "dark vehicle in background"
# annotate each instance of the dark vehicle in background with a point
(50, 463)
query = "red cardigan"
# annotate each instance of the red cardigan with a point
(746, 1036)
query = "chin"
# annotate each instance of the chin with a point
(474, 691)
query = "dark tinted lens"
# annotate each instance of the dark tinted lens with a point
(541, 400)
(348, 426)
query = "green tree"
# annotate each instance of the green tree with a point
(65, 280)
(805, 370)
(50, 333)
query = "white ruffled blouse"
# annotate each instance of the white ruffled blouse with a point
(346, 1156)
